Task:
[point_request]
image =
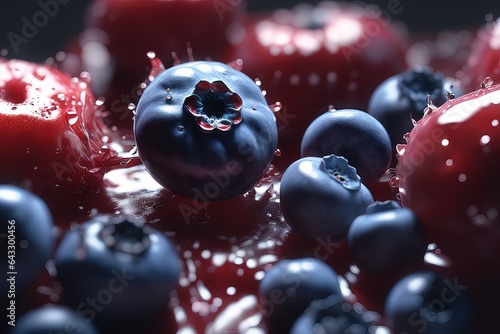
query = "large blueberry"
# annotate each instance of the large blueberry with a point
(320, 197)
(356, 136)
(426, 302)
(333, 315)
(386, 238)
(28, 237)
(403, 97)
(290, 286)
(205, 131)
(115, 270)
(52, 319)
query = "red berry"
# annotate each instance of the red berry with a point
(485, 58)
(52, 140)
(448, 174)
(308, 58)
(120, 34)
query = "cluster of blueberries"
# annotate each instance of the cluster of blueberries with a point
(201, 117)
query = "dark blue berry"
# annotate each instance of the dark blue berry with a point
(356, 136)
(320, 197)
(115, 270)
(205, 131)
(28, 236)
(333, 315)
(52, 319)
(290, 286)
(428, 303)
(386, 238)
(403, 97)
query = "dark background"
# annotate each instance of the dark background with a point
(420, 16)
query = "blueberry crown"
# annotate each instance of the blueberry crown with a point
(214, 106)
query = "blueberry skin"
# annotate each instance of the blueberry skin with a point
(290, 286)
(356, 136)
(52, 319)
(403, 97)
(114, 270)
(428, 303)
(27, 220)
(386, 238)
(333, 315)
(205, 131)
(320, 197)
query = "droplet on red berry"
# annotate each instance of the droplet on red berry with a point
(487, 82)
(72, 116)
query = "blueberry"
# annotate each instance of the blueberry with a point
(356, 136)
(428, 303)
(29, 236)
(320, 197)
(333, 315)
(53, 319)
(205, 131)
(386, 238)
(290, 286)
(115, 270)
(403, 97)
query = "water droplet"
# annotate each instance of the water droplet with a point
(401, 148)
(27, 150)
(180, 128)
(85, 77)
(394, 182)
(430, 107)
(485, 140)
(331, 108)
(61, 97)
(258, 82)
(276, 106)
(72, 116)
(406, 137)
(100, 101)
(487, 82)
(169, 97)
(277, 152)
(156, 65)
(39, 73)
(450, 95)
(231, 290)
(237, 64)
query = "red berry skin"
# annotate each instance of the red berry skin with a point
(448, 174)
(50, 133)
(484, 60)
(309, 58)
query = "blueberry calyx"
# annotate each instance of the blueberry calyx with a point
(126, 235)
(339, 169)
(419, 83)
(214, 106)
